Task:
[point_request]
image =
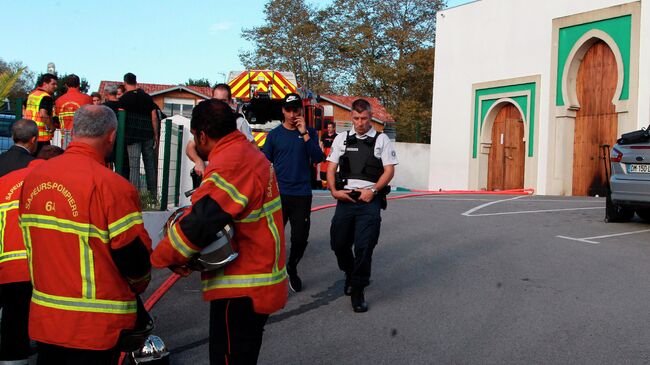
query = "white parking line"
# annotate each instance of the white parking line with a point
(591, 239)
(532, 211)
(469, 212)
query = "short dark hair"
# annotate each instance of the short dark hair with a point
(225, 87)
(130, 79)
(23, 130)
(96, 94)
(361, 105)
(72, 80)
(46, 78)
(49, 151)
(213, 117)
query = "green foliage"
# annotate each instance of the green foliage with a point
(7, 81)
(149, 201)
(374, 48)
(198, 82)
(23, 85)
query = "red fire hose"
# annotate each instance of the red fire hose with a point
(173, 278)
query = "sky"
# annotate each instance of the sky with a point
(162, 42)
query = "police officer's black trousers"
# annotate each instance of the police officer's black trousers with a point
(235, 332)
(14, 338)
(297, 211)
(58, 355)
(356, 225)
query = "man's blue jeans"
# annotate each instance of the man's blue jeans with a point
(148, 158)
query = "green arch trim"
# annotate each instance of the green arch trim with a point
(619, 28)
(522, 94)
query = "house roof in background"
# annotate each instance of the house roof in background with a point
(379, 113)
(157, 89)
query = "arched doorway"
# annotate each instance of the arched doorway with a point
(507, 152)
(596, 121)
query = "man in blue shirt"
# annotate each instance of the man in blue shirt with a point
(293, 149)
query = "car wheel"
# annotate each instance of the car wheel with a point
(644, 214)
(616, 213)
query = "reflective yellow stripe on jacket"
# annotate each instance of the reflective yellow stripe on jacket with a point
(32, 112)
(276, 276)
(88, 302)
(9, 255)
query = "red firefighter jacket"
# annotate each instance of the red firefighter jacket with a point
(239, 182)
(13, 255)
(75, 214)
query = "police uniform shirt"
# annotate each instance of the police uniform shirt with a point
(384, 150)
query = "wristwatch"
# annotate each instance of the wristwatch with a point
(374, 191)
(304, 133)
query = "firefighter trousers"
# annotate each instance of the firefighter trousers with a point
(14, 337)
(235, 332)
(57, 355)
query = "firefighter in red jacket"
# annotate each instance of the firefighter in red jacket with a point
(87, 247)
(14, 270)
(239, 188)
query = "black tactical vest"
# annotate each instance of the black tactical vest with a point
(359, 161)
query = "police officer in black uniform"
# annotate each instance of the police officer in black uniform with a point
(365, 160)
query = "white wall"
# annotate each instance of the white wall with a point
(413, 169)
(491, 40)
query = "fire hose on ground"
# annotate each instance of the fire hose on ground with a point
(173, 278)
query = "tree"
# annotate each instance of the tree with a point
(7, 81)
(198, 82)
(384, 49)
(290, 40)
(24, 84)
(61, 89)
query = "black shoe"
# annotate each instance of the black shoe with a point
(294, 282)
(359, 304)
(347, 287)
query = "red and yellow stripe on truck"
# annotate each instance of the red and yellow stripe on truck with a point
(247, 83)
(260, 138)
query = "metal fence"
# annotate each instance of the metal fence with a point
(153, 169)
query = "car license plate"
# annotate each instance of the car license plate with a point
(639, 168)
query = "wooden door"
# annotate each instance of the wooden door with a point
(596, 121)
(506, 160)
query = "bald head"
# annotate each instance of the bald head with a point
(93, 121)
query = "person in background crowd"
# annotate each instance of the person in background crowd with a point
(120, 91)
(97, 98)
(326, 145)
(367, 162)
(111, 99)
(88, 251)
(219, 92)
(14, 270)
(67, 104)
(24, 133)
(239, 189)
(40, 108)
(293, 149)
(141, 132)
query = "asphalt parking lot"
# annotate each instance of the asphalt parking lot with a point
(457, 279)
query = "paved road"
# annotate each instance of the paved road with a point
(458, 280)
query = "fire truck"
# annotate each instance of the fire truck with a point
(259, 95)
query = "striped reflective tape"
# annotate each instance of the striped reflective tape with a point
(179, 245)
(13, 255)
(84, 305)
(9, 205)
(229, 188)
(64, 225)
(267, 209)
(244, 281)
(124, 224)
(88, 289)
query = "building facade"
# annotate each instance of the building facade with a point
(527, 93)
